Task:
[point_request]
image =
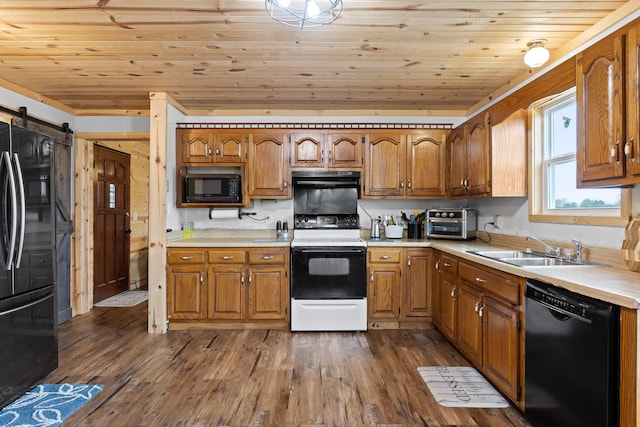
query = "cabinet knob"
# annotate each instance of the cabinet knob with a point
(480, 280)
(384, 256)
(218, 152)
(186, 258)
(226, 257)
(267, 257)
(453, 292)
(480, 311)
(401, 183)
(242, 279)
(409, 184)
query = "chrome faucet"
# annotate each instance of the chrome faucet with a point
(550, 250)
(578, 249)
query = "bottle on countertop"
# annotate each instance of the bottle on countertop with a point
(279, 230)
(285, 231)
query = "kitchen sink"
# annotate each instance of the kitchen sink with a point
(531, 259)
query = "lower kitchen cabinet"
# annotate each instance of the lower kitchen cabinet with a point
(470, 323)
(447, 284)
(416, 302)
(398, 289)
(247, 287)
(501, 350)
(186, 292)
(480, 312)
(383, 289)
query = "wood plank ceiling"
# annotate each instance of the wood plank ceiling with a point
(209, 55)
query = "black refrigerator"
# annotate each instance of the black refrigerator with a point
(28, 305)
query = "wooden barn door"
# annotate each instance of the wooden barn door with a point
(111, 223)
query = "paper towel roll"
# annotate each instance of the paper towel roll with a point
(224, 213)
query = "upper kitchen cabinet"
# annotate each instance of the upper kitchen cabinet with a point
(384, 164)
(489, 159)
(211, 147)
(471, 158)
(426, 163)
(268, 172)
(405, 165)
(329, 149)
(509, 156)
(608, 151)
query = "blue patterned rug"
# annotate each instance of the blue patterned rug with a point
(47, 405)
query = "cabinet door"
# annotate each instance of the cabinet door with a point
(449, 314)
(479, 156)
(632, 144)
(230, 147)
(600, 97)
(344, 150)
(385, 165)
(417, 291)
(426, 158)
(268, 294)
(186, 295)
(470, 323)
(509, 155)
(434, 283)
(383, 293)
(458, 149)
(267, 169)
(307, 150)
(501, 346)
(197, 145)
(227, 296)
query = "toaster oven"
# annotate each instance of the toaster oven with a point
(451, 223)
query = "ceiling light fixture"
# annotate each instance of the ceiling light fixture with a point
(304, 13)
(537, 54)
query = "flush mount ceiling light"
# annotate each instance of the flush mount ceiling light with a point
(304, 13)
(537, 54)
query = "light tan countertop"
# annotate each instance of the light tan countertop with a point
(614, 285)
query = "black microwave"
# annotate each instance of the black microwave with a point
(212, 188)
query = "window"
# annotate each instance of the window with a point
(554, 195)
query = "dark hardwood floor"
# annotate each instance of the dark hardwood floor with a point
(256, 377)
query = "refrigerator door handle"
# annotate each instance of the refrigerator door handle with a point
(14, 211)
(23, 209)
(31, 304)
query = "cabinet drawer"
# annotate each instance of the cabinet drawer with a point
(266, 256)
(391, 255)
(227, 256)
(186, 256)
(448, 265)
(502, 286)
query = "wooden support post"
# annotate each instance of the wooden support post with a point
(157, 213)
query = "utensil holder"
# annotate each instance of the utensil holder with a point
(393, 231)
(414, 231)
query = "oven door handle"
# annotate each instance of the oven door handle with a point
(329, 249)
(444, 221)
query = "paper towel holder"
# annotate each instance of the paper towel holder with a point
(228, 213)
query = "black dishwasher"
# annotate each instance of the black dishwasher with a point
(571, 359)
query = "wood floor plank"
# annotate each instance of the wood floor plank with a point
(257, 377)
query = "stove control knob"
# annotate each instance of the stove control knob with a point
(451, 214)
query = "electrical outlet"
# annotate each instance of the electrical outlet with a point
(497, 221)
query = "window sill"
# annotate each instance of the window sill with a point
(611, 221)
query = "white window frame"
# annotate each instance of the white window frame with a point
(538, 167)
